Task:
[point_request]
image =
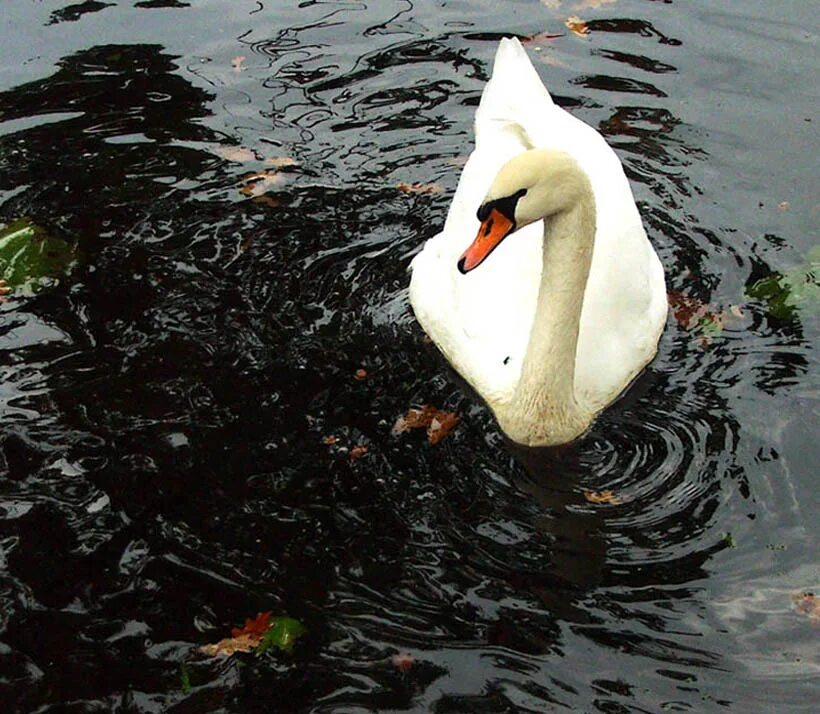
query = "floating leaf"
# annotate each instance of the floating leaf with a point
(240, 154)
(806, 603)
(729, 540)
(697, 316)
(280, 161)
(403, 662)
(540, 38)
(358, 451)
(441, 425)
(419, 187)
(258, 634)
(577, 25)
(329, 440)
(184, 679)
(602, 497)
(30, 259)
(268, 201)
(591, 4)
(784, 293)
(255, 184)
(255, 627)
(437, 422)
(361, 374)
(231, 645)
(283, 633)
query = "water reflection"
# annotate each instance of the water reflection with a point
(164, 466)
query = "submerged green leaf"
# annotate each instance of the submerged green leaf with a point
(785, 293)
(30, 259)
(185, 679)
(283, 633)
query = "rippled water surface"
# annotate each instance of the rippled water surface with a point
(165, 400)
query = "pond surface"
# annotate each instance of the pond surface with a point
(232, 181)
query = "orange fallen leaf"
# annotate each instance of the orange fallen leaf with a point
(806, 603)
(419, 187)
(602, 497)
(358, 451)
(236, 63)
(437, 422)
(403, 662)
(783, 206)
(255, 627)
(329, 440)
(243, 639)
(441, 425)
(361, 374)
(577, 25)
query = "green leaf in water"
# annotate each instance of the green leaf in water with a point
(185, 679)
(785, 293)
(282, 633)
(729, 540)
(31, 260)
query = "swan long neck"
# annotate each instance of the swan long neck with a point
(546, 385)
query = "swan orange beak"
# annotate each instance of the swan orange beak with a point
(494, 228)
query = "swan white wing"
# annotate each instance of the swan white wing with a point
(482, 320)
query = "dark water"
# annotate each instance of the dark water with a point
(162, 467)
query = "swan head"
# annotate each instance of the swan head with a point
(530, 187)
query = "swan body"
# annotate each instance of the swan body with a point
(552, 326)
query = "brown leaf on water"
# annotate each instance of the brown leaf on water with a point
(329, 440)
(403, 662)
(577, 25)
(602, 497)
(236, 63)
(591, 4)
(689, 311)
(361, 374)
(243, 639)
(280, 161)
(419, 187)
(806, 603)
(255, 184)
(437, 423)
(268, 201)
(240, 154)
(358, 451)
(441, 425)
(230, 645)
(540, 38)
(783, 206)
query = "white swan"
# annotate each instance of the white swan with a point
(570, 307)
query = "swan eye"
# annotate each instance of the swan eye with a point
(505, 206)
